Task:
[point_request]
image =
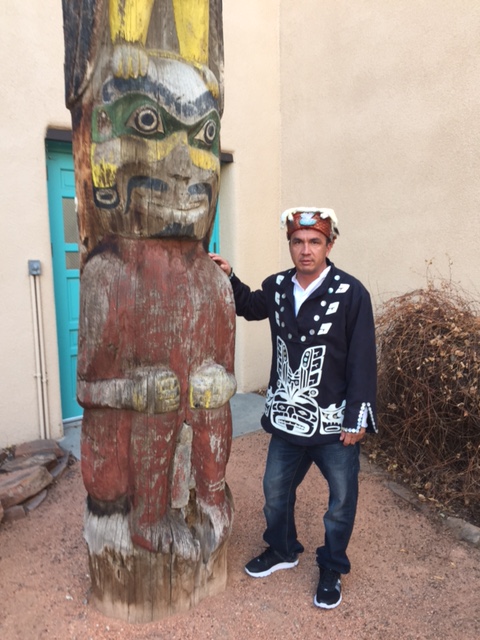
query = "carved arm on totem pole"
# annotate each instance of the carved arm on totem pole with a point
(156, 337)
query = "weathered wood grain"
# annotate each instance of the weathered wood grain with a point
(144, 83)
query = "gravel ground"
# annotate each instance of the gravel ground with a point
(411, 577)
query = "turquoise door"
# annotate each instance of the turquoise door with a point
(66, 274)
(214, 246)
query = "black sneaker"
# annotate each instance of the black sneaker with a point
(329, 591)
(268, 562)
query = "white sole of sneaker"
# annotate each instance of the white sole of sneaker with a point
(323, 605)
(268, 572)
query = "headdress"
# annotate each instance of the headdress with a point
(323, 220)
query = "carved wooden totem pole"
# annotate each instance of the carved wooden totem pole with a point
(156, 337)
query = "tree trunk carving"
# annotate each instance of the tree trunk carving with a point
(144, 85)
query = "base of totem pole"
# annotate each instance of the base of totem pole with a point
(136, 585)
(145, 586)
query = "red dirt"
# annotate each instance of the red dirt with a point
(411, 578)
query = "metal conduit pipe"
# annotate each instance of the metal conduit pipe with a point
(37, 375)
(34, 271)
(43, 363)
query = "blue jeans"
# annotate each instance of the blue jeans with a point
(287, 466)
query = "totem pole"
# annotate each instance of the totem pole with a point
(156, 337)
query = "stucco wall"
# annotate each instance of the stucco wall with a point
(379, 121)
(31, 50)
(250, 192)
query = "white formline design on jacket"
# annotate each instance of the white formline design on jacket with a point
(292, 406)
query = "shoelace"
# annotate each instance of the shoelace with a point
(328, 579)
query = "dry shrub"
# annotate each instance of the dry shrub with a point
(429, 406)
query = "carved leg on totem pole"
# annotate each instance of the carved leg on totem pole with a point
(155, 555)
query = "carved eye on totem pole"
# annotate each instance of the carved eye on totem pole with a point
(155, 152)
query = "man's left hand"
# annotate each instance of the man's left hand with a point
(351, 438)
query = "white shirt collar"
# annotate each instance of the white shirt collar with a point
(301, 294)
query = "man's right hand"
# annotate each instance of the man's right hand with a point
(222, 263)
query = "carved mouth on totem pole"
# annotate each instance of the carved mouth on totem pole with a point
(155, 153)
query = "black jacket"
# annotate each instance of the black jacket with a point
(323, 373)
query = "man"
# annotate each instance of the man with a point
(321, 394)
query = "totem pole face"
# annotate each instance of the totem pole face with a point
(155, 154)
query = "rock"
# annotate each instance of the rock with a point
(60, 467)
(29, 449)
(405, 493)
(26, 470)
(17, 512)
(34, 502)
(40, 459)
(17, 486)
(464, 530)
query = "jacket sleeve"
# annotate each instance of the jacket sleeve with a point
(249, 304)
(361, 365)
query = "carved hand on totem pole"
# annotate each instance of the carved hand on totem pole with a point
(156, 337)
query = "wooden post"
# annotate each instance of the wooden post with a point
(156, 337)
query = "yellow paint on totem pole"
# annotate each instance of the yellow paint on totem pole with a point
(104, 174)
(159, 149)
(130, 19)
(207, 399)
(204, 159)
(203, 403)
(192, 23)
(138, 400)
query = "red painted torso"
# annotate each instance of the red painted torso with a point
(149, 306)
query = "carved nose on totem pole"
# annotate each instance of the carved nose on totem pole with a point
(180, 164)
(157, 318)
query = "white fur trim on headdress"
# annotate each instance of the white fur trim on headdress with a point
(323, 212)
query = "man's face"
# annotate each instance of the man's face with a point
(309, 251)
